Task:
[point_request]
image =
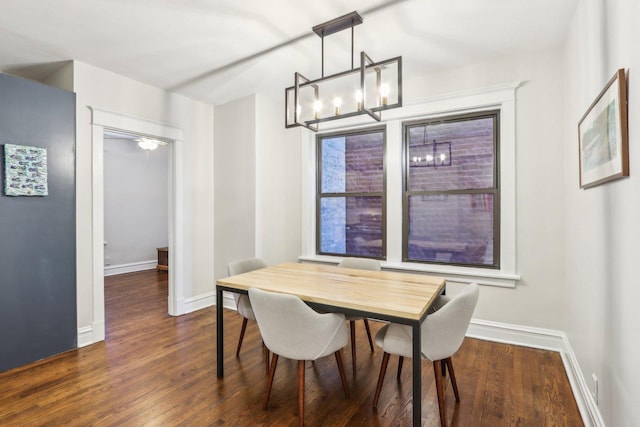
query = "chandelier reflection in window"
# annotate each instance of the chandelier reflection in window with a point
(431, 154)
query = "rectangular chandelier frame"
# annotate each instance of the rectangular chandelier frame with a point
(313, 104)
(366, 65)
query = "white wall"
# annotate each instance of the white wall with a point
(136, 202)
(278, 183)
(257, 176)
(235, 183)
(601, 224)
(105, 90)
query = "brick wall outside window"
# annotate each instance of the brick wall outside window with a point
(351, 194)
(450, 208)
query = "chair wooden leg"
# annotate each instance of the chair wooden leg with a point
(400, 360)
(242, 330)
(352, 329)
(383, 370)
(437, 373)
(449, 364)
(343, 377)
(272, 372)
(267, 354)
(301, 392)
(366, 325)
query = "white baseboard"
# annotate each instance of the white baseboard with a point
(199, 302)
(112, 270)
(588, 407)
(91, 334)
(228, 301)
(527, 336)
(545, 339)
(85, 336)
(207, 300)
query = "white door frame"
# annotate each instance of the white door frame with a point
(101, 120)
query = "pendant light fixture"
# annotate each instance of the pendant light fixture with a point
(368, 89)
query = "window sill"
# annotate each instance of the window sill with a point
(450, 273)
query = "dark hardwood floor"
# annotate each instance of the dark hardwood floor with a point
(158, 370)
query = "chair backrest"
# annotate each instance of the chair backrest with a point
(244, 266)
(444, 330)
(360, 263)
(294, 330)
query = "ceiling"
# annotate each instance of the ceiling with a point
(220, 50)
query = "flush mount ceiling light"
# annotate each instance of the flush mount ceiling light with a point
(149, 143)
(368, 89)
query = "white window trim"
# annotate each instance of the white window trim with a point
(501, 97)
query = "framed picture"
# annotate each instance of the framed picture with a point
(25, 171)
(603, 135)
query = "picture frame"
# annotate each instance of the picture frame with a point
(25, 171)
(603, 136)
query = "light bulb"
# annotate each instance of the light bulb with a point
(359, 100)
(429, 158)
(317, 107)
(384, 93)
(442, 157)
(337, 102)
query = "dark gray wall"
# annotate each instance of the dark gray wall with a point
(37, 234)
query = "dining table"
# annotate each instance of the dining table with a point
(390, 296)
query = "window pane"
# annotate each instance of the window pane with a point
(456, 155)
(353, 163)
(351, 225)
(451, 228)
(333, 165)
(333, 230)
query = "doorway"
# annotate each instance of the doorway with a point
(106, 120)
(136, 203)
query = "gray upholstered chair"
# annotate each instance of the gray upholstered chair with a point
(362, 264)
(442, 333)
(293, 330)
(242, 301)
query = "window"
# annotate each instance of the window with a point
(351, 193)
(451, 191)
(487, 253)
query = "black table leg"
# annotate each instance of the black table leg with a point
(219, 333)
(417, 375)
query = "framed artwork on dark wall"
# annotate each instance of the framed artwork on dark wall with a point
(603, 135)
(25, 171)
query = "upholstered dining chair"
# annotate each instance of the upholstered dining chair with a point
(242, 301)
(362, 264)
(442, 333)
(293, 330)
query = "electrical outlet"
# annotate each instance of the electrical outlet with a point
(594, 392)
(107, 261)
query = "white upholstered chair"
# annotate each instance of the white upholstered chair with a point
(242, 301)
(362, 264)
(293, 330)
(442, 333)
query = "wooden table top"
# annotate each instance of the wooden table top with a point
(385, 293)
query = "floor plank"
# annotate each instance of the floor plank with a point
(154, 369)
